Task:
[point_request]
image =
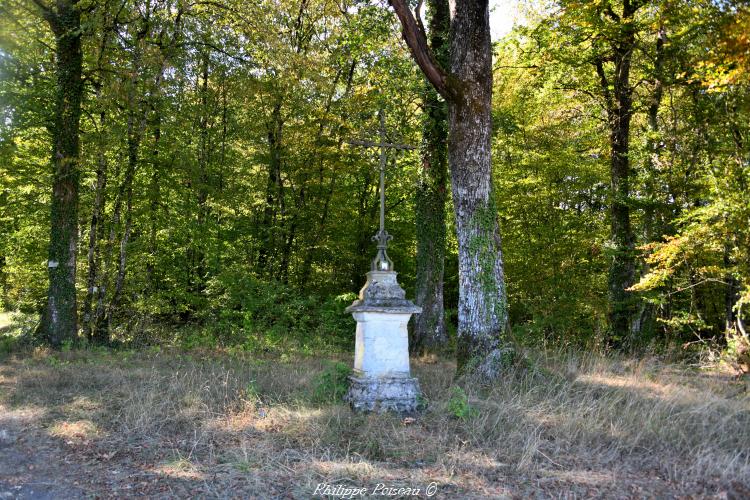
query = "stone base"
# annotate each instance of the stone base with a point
(384, 393)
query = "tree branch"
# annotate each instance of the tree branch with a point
(47, 13)
(415, 38)
(611, 13)
(599, 63)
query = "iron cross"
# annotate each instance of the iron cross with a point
(382, 262)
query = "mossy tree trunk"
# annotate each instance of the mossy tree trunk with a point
(429, 326)
(482, 302)
(59, 322)
(467, 87)
(618, 95)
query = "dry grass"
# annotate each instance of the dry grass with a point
(217, 424)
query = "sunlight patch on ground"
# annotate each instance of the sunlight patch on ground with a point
(612, 380)
(76, 431)
(642, 384)
(582, 476)
(83, 406)
(361, 471)
(28, 413)
(180, 468)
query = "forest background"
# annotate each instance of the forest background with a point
(222, 204)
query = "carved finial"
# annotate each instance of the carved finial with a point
(382, 262)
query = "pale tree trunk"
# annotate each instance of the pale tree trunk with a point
(100, 322)
(96, 234)
(482, 348)
(59, 322)
(429, 333)
(136, 125)
(94, 289)
(482, 302)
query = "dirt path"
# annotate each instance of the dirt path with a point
(36, 466)
(32, 466)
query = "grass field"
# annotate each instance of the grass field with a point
(212, 424)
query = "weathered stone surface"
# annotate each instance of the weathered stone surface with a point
(380, 394)
(382, 344)
(382, 380)
(383, 293)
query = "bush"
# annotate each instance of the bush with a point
(332, 383)
(256, 314)
(458, 405)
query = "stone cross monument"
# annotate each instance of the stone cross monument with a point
(382, 380)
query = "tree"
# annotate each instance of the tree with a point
(617, 90)
(601, 38)
(59, 321)
(429, 326)
(467, 88)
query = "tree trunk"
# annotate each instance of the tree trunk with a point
(429, 326)
(96, 234)
(204, 179)
(274, 190)
(646, 313)
(59, 322)
(100, 324)
(134, 141)
(154, 202)
(136, 125)
(622, 303)
(482, 349)
(731, 294)
(482, 302)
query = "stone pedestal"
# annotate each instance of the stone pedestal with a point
(381, 380)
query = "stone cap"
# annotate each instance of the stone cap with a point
(382, 293)
(406, 307)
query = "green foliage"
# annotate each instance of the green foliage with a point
(551, 194)
(251, 215)
(251, 391)
(737, 352)
(16, 331)
(331, 385)
(8, 344)
(243, 310)
(458, 405)
(218, 151)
